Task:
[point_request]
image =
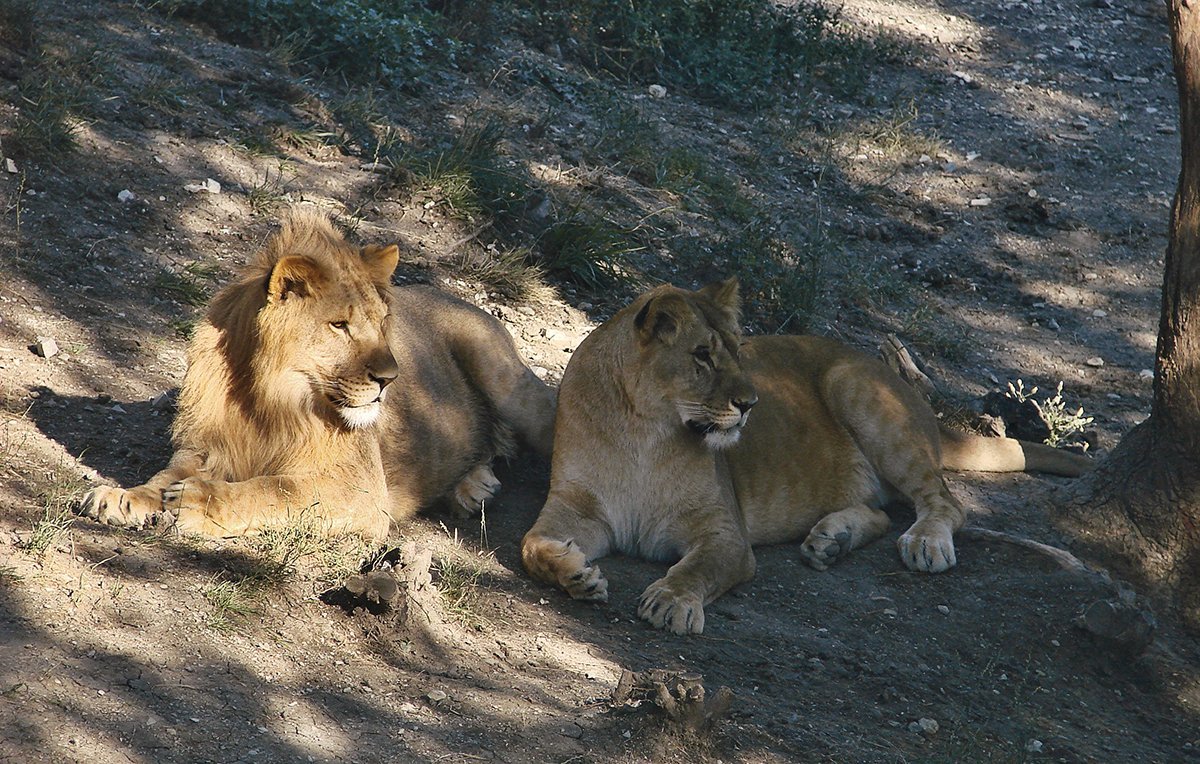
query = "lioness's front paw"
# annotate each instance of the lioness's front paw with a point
(564, 563)
(666, 608)
(117, 506)
(927, 547)
(820, 550)
(479, 485)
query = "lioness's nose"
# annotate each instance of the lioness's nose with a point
(383, 371)
(746, 404)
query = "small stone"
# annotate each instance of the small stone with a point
(1095, 361)
(943, 609)
(46, 347)
(1034, 746)
(208, 186)
(436, 696)
(1099, 313)
(10, 165)
(1074, 43)
(1146, 374)
(981, 201)
(126, 195)
(658, 91)
(927, 726)
(890, 611)
(1052, 324)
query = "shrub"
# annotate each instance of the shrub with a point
(361, 39)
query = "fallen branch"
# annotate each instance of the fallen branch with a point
(1121, 622)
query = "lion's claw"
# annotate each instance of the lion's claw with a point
(928, 551)
(677, 612)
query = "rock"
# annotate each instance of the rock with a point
(208, 186)
(1099, 313)
(1034, 746)
(436, 697)
(981, 201)
(126, 195)
(943, 609)
(10, 165)
(1095, 362)
(658, 91)
(926, 726)
(46, 347)
(1146, 374)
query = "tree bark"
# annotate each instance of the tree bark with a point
(1140, 509)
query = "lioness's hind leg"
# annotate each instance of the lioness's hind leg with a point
(840, 532)
(476, 487)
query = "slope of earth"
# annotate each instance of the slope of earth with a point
(997, 197)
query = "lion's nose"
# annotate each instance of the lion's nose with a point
(745, 404)
(383, 371)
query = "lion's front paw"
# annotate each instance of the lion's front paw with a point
(681, 612)
(116, 506)
(564, 563)
(820, 549)
(927, 547)
(187, 504)
(479, 485)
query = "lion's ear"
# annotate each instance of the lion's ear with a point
(727, 297)
(294, 276)
(381, 261)
(661, 317)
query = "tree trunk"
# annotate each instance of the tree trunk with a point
(1140, 508)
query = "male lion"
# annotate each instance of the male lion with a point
(315, 388)
(653, 456)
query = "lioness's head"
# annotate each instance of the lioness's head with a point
(324, 327)
(689, 344)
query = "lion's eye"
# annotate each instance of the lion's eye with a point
(341, 326)
(702, 355)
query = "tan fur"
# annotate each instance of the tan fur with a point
(648, 460)
(316, 388)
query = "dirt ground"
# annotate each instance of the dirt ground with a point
(1032, 229)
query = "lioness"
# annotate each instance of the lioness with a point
(653, 456)
(315, 388)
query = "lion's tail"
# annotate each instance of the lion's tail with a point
(964, 451)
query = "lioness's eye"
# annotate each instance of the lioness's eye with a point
(341, 326)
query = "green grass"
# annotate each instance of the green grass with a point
(589, 251)
(191, 286)
(230, 601)
(737, 52)
(57, 497)
(9, 576)
(283, 550)
(363, 40)
(457, 578)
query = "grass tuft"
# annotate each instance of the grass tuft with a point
(190, 286)
(230, 601)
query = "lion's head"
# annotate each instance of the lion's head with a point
(689, 356)
(320, 323)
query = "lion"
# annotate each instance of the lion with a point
(315, 389)
(655, 455)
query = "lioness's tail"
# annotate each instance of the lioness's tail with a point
(964, 451)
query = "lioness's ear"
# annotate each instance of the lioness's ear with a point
(727, 297)
(294, 276)
(381, 261)
(660, 318)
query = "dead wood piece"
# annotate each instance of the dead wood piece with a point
(680, 695)
(402, 585)
(901, 361)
